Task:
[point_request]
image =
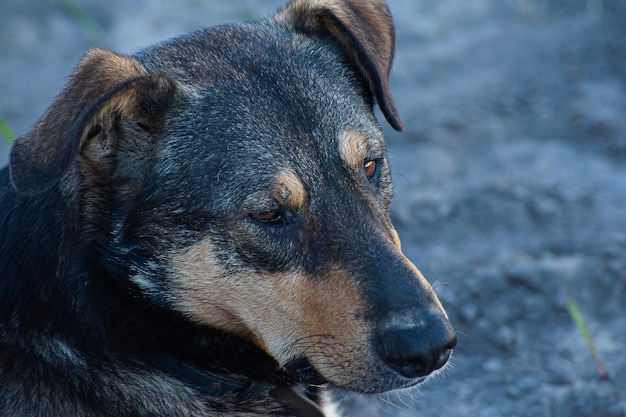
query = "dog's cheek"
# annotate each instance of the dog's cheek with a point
(206, 291)
(289, 315)
(238, 301)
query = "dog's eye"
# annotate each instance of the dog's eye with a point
(370, 168)
(275, 215)
(270, 216)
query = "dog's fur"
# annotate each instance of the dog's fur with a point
(203, 229)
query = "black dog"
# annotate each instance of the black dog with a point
(203, 229)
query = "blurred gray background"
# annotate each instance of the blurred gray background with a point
(510, 178)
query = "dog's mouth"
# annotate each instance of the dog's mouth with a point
(303, 371)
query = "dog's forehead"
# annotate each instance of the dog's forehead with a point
(243, 56)
(261, 70)
(264, 98)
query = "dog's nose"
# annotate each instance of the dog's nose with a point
(415, 349)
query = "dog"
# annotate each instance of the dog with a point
(202, 229)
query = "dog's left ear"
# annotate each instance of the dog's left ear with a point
(365, 31)
(104, 89)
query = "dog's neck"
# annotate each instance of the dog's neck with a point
(238, 388)
(228, 368)
(212, 383)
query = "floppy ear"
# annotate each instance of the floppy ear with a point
(365, 31)
(103, 88)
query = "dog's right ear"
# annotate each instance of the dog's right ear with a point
(365, 32)
(104, 88)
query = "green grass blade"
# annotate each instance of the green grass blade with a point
(580, 323)
(584, 331)
(6, 132)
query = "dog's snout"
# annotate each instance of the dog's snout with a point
(415, 349)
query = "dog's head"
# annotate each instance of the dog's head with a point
(239, 176)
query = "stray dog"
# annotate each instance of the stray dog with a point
(203, 228)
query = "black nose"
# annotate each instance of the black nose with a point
(417, 347)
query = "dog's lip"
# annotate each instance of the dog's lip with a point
(417, 381)
(413, 382)
(304, 372)
(406, 383)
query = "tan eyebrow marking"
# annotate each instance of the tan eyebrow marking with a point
(289, 190)
(353, 148)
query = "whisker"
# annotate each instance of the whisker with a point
(436, 281)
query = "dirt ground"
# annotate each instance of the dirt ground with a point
(510, 177)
